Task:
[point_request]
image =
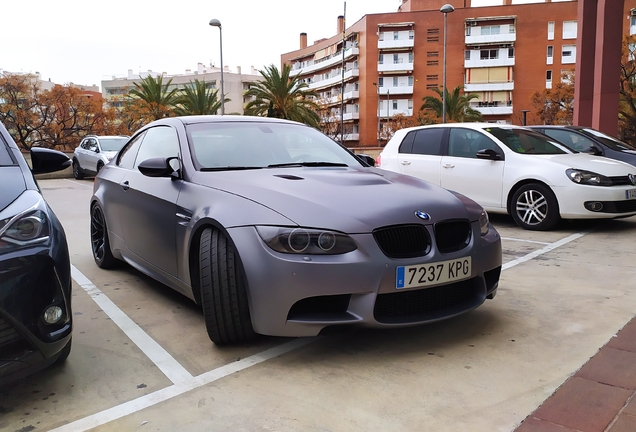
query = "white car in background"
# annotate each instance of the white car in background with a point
(514, 170)
(94, 152)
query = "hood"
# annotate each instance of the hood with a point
(109, 154)
(13, 184)
(352, 200)
(598, 164)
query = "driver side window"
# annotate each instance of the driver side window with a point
(159, 142)
(570, 139)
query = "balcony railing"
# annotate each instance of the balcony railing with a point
(395, 44)
(489, 86)
(332, 80)
(478, 62)
(323, 63)
(493, 110)
(395, 67)
(399, 90)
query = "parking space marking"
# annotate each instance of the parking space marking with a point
(172, 391)
(182, 379)
(155, 352)
(79, 183)
(543, 250)
(525, 241)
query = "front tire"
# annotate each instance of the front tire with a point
(100, 165)
(223, 291)
(77, 171)
(535, 207)
(100, 245)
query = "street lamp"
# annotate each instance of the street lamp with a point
(377, 87)
(446, 9)
(216, 23)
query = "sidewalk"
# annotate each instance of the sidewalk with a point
(598, 397)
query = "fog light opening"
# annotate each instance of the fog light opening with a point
(595, 206)
(53, 314)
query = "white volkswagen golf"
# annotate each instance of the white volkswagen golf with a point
(514, 170)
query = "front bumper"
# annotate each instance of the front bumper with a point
(300, 295)
(31, 280)
(578, 201)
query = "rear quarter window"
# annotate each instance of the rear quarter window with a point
(423, 141)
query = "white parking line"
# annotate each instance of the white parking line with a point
(76, 182)
(525, 241)
(182, 379)
(155, 352)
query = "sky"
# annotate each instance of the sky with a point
(85, 42)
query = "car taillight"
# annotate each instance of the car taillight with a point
(378, 161)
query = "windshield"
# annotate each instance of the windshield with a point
(612, 143)
(525, 141)
(112, 144)
(253, 145)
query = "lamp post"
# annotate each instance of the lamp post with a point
(377, 87)
(216, 23)
(446, 9)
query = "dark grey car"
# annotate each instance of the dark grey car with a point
(276, 229)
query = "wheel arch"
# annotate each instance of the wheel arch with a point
(521, 183)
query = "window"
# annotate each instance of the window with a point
(427, 141)
(395, 81)
(411, 35)
(466, 143)
(568, 54)
(396, 35)
(396, 59)
(551, 30)
(411, 57)
(381, 81)
(548, 75)
(511, 53)
(489, 30)
(570, 139)
(491, 54)
(468, 31)
(395, 105)
(381, 60)
(126, 158)
(410, 104)
(569, 29)
(159, 142)
(467, 55)
(410, 83)
(550, 51)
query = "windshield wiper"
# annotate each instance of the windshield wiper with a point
(307, 164)
(231, 168)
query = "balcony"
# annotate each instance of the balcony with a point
(476, 62)
(400, 90)
(506, 34)
(392, 112)
(396, 44)
(493, 110)
(395, 67)
(352, 137)
(349, 95)
(323, 63)
(490, 86)
(335, 79)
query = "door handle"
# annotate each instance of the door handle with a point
(449, 166)
(405, 162)
(124, 185)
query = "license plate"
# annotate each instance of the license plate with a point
(630, 194)
(435, 273)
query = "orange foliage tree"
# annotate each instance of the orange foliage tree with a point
(627, 102)
(556, 105)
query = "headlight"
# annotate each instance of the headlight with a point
(306, 240)
(26, 227)
(587, 177)
(484, 223)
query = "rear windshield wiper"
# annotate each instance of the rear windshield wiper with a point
(307, 164)
(231, 168)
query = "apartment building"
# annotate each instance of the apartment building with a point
(502, 54)
(234, 84)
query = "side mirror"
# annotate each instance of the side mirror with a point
(46, 160)
(593, 150)
(157, 167)
(366, 159)
(489, 154)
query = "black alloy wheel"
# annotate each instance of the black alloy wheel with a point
(77, 172)
(99, 240)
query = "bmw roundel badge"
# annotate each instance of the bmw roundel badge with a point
(422, 215)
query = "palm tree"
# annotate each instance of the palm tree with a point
(154, 93)
(457, 106)
(282, 96)
(197, 99)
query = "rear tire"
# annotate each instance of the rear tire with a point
(100, 245)
(223, 291)
(535, 207)
(77, 171)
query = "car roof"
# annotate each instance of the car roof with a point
(224, 119)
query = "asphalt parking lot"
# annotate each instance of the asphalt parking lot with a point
(141, 358)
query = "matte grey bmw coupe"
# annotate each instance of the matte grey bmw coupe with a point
(276, 229)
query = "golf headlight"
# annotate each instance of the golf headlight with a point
(587, 177)
(306, 241)
(24, 223)
(484, 223)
